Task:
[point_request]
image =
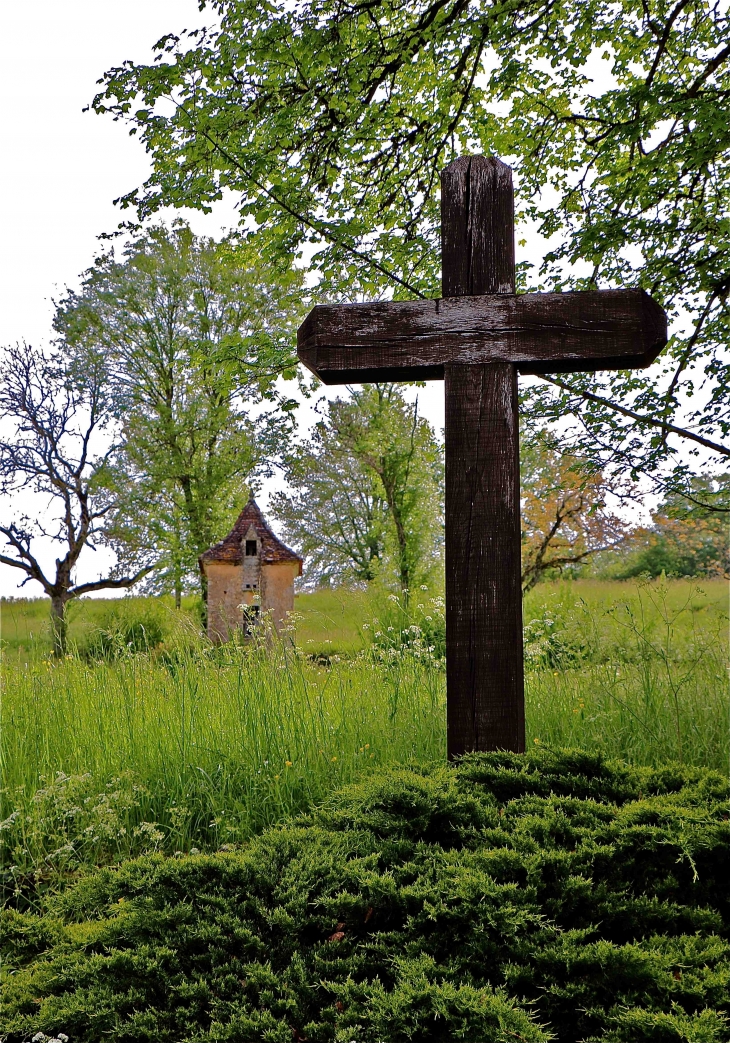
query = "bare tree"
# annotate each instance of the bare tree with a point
(52, 415)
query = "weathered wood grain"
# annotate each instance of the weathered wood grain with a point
(484, 654)
(538, 332)
(477, 227)
(484, 661)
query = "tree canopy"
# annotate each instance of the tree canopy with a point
(331, 120)
(190, 334)
(566, 519)
(367, 491)
(685, 538)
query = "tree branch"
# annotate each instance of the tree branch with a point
(24, 565)
(716, 447)
(114, 584)
(711, 67)
(318, 226)
(29, 564)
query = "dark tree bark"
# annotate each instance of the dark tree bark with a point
(59, 624)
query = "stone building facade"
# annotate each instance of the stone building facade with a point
(250, 572)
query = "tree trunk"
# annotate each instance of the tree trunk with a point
(391, 496)
(403, 550)
(198, 537)
(59, 625)
(403, 559)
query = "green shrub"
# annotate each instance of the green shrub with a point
(529, 898)
(128, 629)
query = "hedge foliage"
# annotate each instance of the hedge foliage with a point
(509, 898)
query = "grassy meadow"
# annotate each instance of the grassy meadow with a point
(331, 622)
(112, 752)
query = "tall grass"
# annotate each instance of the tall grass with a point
(644, 679)
(191, 747)
(104, 760)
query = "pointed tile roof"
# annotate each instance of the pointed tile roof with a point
(271, 552)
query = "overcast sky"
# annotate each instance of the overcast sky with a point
(64, 167)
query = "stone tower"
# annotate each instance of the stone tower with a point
(249, 572)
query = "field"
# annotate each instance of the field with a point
(110, 753)
(331, 621)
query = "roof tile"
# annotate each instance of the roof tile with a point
(272, 550)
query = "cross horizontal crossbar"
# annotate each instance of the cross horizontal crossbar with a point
(537, 332)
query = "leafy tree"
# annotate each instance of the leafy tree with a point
(685, 538)
(53, 412)
(148, 525)
(336, 512)
(331, 120)
(565, 518)
(191, 333)
(367, 487)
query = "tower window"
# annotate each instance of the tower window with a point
(250, 548)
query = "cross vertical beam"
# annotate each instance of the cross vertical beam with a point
(484, 659)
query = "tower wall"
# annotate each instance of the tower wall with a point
(277, 589)
(224, 599)
(243, 586)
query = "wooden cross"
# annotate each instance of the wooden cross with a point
(476, 338)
